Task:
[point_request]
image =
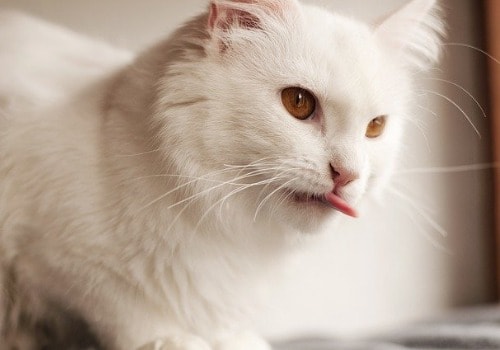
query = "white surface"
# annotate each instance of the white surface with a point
(383, 269)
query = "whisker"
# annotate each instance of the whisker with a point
(265, 187)
(259, 164)
(137, 154)
(258, 161)
(423, 232)
(420, 211)
(171, 226)
(274, 177)
(261, 171)
(427, 110)
(230, 194)
(487, 54)
(176, 189)
(177, 176)
(184, 208)
(284, 197)
(465, 91)
(219, 183)
(259, 207)
(458, 107)
(201, 178)
(421, 128)
(408, 199)
(449, 169)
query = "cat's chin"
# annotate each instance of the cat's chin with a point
(309, 214)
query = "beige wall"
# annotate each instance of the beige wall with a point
(493, 35)
(392, 265)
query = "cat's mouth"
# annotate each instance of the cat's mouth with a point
(330, 199)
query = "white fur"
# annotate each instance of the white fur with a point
(121, 188)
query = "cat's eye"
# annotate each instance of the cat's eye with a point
(376, 127)
(299, 102)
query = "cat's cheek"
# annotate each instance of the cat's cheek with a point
(381, 180)
(384, 158)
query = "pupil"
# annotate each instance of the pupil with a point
(299, 100)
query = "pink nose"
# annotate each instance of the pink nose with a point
(342, 177)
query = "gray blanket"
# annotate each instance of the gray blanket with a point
(477, 328)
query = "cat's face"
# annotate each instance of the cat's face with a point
(310, 104)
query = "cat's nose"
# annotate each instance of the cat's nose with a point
(342, 176)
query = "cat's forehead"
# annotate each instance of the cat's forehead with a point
(342, 46)
(338, 58)
(317, 20)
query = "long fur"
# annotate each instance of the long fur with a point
(150, 201)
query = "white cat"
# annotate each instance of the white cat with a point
(147, 200)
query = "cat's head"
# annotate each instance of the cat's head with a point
(305, 107)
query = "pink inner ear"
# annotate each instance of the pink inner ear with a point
(212, 15)
(224, 17)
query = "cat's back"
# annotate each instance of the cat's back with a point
(41, 62)
(52, 83)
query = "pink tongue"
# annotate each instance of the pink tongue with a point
(341, 205)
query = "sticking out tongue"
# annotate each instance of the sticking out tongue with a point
(341, 205)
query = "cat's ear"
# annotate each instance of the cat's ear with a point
(225, 15)
(415, 32)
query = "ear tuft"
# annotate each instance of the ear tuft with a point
(247, 14)
(232, 21)
(224, 15)
(415, 32)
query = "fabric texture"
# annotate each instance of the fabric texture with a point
(477, 328)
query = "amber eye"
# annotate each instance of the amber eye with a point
(376, 127)
(299, 102)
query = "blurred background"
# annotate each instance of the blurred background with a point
(428, 245)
